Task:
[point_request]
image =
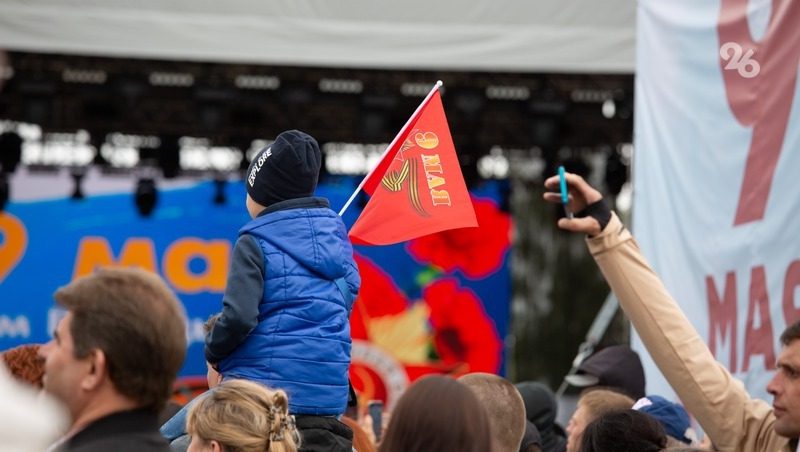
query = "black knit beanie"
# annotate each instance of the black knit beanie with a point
(286, 169)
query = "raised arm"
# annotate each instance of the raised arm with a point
(732, 419)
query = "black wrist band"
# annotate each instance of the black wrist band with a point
(597, 210)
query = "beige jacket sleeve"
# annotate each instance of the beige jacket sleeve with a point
(733, 420)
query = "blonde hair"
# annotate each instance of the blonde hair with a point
(598, 402)
(244, 416)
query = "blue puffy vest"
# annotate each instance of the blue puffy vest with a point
(302, 341)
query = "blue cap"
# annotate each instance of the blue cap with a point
(672, 417)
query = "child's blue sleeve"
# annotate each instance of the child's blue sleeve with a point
(243, 292)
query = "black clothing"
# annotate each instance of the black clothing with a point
(124, 431)
(323, 434)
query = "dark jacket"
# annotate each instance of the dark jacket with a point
(286, 308)
(323, 434)
(125, 431)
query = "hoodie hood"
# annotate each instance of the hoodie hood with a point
(314, 237)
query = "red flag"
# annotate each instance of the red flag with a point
(417, 188)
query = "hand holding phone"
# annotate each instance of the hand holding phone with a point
(595, 214)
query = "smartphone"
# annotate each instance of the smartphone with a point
(562, 185)
(375, 410)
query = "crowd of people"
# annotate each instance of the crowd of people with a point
(278, 355)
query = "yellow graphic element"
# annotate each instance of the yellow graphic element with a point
(426, 140)
(96, 252)
(409, 172)
(214, 253)
(413, 188)
(393, 180)
(432, 164)
(440, 198)
(140, 252)
(404, 335)
(13, 243)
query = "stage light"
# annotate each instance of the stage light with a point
(10, 151)
(178, 79)
(77, 177)
(409, 89)
(87, 76)
(97, 140)
(260, 82)
(501, 92)
(4, 191)
(146, 196)
(343, 86)
(168, 155)
(244, 163)
(219, 191)
(609, 108)
(493, 165)
(616, 173)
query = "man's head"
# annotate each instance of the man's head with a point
(624, 430)
(504, 405)
(121, 342)
(616, 367)
(592, 404)
(286, 169)
(785, 385)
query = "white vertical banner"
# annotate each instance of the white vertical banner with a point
(717, 172)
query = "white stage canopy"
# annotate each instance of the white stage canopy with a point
(576, 36)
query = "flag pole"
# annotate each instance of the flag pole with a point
(391, 145)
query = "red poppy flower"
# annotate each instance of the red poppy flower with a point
(378, 296)
(477, 252)
(463, 332)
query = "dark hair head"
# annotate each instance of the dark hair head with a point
(437, 413)
(138, 323)
(624, 431)
(791, 333)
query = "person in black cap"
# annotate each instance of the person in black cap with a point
(541, 409)
(290, 289)
(616, 367)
